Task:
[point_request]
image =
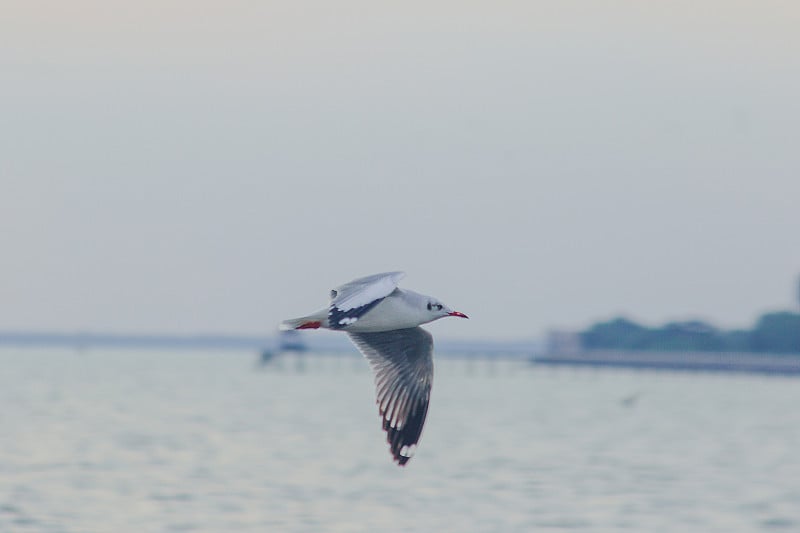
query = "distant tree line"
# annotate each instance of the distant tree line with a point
(777, 332)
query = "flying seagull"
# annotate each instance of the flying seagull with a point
(383, 322)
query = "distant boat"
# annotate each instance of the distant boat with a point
(285, 342)
(291, 341)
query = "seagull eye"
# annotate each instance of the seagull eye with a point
(429, 306)
(438, 307)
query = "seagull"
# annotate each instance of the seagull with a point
(383, 321)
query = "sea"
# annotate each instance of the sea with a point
(202, 441)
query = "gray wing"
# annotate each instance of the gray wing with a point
(352, 300)
(402, 361)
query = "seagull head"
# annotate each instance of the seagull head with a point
(438, 310)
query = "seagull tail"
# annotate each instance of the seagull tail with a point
(315, 321)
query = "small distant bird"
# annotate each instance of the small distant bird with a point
(383, 322)
(630, 400)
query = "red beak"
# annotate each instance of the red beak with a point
(456, 313)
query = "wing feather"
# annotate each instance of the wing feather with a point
(353, 300)
(364, 291)
(402, 361)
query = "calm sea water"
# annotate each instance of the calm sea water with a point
(120, 441)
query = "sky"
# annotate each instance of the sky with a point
(214, 167)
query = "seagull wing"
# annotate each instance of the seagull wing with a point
(402, 361)
(352, 300)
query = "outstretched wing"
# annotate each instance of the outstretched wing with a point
(352, 300)
(402, 361)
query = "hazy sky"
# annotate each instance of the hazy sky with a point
(217, 166)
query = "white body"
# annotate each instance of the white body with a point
(399, 310)
(392, 307)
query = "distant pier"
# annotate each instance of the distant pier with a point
(688, 361)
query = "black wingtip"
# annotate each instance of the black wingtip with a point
(403, 442)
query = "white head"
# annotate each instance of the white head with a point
(437, 309)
